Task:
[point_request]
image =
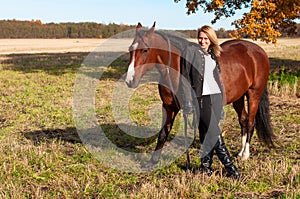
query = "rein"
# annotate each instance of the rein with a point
(185, 116)
(168, 72)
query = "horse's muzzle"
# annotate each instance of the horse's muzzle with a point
(131, 83)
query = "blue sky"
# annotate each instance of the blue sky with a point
(166, 13)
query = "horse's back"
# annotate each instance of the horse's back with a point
(243, 65)
(243, 46)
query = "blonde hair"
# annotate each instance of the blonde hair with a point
(211, 34)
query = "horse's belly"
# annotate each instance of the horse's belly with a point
(236, 83)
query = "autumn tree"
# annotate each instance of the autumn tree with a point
(265, 19)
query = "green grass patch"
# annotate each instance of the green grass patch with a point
(284, 76)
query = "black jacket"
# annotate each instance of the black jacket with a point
(192, 68)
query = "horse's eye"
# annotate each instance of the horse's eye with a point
(145, 50)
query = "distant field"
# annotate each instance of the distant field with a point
(283, 55)
(20, 46)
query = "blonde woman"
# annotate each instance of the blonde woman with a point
(200, 69)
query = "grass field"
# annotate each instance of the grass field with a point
(42, 155)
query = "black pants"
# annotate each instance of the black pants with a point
(211, 109)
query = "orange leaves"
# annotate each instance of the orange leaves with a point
(265, 20)
(219, 3)
(271, 18)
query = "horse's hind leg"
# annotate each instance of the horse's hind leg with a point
(169, 114)
(239, 107)
(253, 100)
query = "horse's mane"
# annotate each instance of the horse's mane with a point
(177, 39)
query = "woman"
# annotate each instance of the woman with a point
(200, 69)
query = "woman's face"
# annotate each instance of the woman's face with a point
(204, 41)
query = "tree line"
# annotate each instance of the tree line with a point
(37, 29)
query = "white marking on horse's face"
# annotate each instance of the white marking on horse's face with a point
(130, 72)
(135, 45)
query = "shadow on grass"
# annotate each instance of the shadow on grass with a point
(47, 135)
(111, 133)
(61, 63)
(92, 136)
(99, 144)
(290, 66)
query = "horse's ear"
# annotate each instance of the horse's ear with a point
(153, 26)
(139, 26)
(150, 32)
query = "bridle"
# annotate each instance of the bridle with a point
(139, 34)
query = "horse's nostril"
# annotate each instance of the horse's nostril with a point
(129, 84)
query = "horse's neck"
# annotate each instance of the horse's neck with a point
(168, 59)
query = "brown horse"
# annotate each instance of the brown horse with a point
(244, 70)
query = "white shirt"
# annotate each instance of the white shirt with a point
(210, 85)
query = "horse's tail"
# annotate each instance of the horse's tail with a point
(263, 121)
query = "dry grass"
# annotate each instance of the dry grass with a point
(24, 46)
(43, 157)
(286, 90)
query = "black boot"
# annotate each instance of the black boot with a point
(225, 158)
(206, 163)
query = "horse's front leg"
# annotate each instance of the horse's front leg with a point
(169, 114)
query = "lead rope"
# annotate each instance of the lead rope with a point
(168, 71)
(185, 116)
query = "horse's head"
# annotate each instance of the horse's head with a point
(142, 56)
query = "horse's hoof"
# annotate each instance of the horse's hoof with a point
(240, 154)
(244, 157)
